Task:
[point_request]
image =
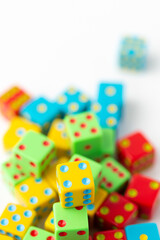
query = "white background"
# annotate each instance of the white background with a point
(46, 46)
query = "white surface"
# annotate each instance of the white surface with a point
(47, 45)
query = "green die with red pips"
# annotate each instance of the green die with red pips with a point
(33, 153)
(35, 233)
(71, 223)
(84, 132)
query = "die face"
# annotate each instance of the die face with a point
(96, 168)
(12, 101)
(19, 126)
(58, 135)
(110, 235)
(49, 223)
(73, 101)
(142, 231)
(75, 184)
(34, 152)
(15, 220)
(36, 194)
(116, 211)
(12, 174)
(114, 175)
(36, 233)
(6, 238)
(109, 137)
(84, 132)
(146, 199)
(70, 223)
(40, 111)
(135, 152)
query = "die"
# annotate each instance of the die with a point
(133, 53)
(49, 223)
(75, 184)
(15, 220)
(71, 223)
(135, 152)
(12, 174)
(114, 176)
(142, 231)
(146, 200)
(96, 168)
(84, 133)
(116, 212)
(12, 101)
(18, 127)
(34, 152)
(40, 111)
(58, 135)
(110, 235)
(72, 101)
(100, 196)
(35, 233)
(37, 195)
(50, 173)
(6, 238)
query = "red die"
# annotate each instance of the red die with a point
(144, 192)
(116, 212)
(12, 101)
(90, 238)
(135, 152)
(110, 235)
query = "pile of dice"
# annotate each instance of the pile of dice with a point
(67, 167)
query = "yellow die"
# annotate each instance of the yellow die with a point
(92, 208)
(75, 184)
(58, 135)
(49, 223)
(36, 194)
(15, 220)
(3, 237)
(50, 174)
(18, 127)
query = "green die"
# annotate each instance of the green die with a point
(96, 168)
(35, 233)
(33, 153)
(12, 174)
(114, 175)
(70, 223)
(84, 132)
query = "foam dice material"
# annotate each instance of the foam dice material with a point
(58, 135)
(34, 152)
(10, 223)
(41, 111)
(35, 233)
(12, 174)
(71, 223)
(133, 53)
(49, 223)
(3, 237)
(50, 174)
(75, 184)
(146, 200)
(18, 127)
(143, 231)
(101, 195)
(84, 133)
(114, 175)
(73, 101)
(110, 235)
(12, 101)
(116, 211)
(36, 194)
(135, 152)
(96, 168)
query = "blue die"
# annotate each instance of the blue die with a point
(41, 112)
(73, 101)
(144, 231)
(133, 53)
